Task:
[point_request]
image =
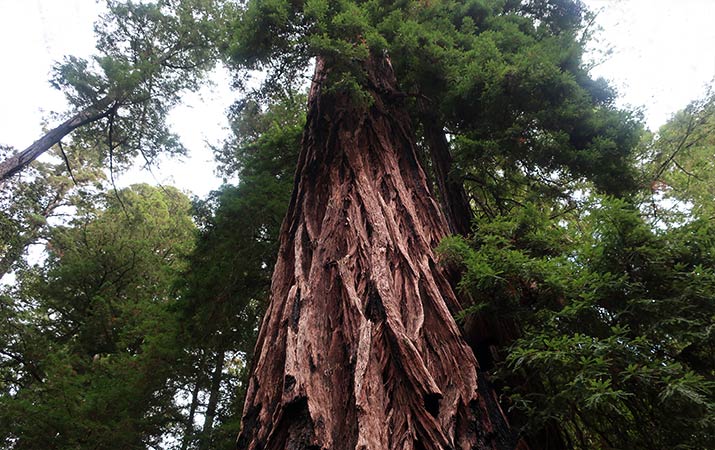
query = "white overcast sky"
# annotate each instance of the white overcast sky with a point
(664, 56)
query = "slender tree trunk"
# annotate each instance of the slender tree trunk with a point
(485, 334)
(214, 394)
(19, 161)
(451, 192)
(358, 349)
(189, 433)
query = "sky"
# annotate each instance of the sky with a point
(663, 52)
(663, 58)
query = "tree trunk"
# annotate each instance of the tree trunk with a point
(214, 394)
(19, 161)
(189, 433)
(358, 348)
(451, 192)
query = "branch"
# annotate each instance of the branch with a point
(31, 368)
(19, 161)
(67, 162)
(675, 162)
(681, 146)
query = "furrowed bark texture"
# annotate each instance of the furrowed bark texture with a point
(358, 348)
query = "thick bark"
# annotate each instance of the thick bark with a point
(451, 192)
(19, 161)
(358, 348)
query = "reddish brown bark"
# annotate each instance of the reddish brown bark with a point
(358, 348)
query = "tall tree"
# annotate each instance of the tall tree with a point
(506, 79)
(358, 346)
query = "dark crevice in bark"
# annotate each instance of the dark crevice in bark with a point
(295, 312)
(431, 402)
(374, 309)
(249, 422)
(289, 383)
(294, 430)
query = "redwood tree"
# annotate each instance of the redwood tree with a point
(362, 222)
(359, 348)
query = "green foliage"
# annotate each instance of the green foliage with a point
(28, 202)
(87, 337)
(265, 140)
(132, 329)
(616, 322)
(226, 287)
(524, 110)
(505, 78)
(679, 163)
(148, 54)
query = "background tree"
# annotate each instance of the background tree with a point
(28, 202)
(227, 284)
(615, 317)
(97, 311)
(679, 161)
(148, 54)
